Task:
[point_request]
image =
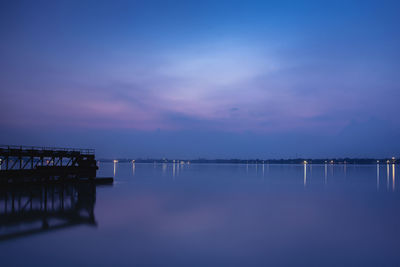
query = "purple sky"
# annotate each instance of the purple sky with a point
(202, 79)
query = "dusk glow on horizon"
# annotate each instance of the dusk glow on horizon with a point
(202, 78)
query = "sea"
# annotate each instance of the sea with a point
(182, 214)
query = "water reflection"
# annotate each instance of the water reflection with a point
(263, 169)
(229, 215)
(32, 210)
(377, 176)
(115, 167)
(387, 176)
(393, 179)
(335, 173)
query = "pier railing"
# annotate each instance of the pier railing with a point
(45, 148)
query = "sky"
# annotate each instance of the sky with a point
(209, 79)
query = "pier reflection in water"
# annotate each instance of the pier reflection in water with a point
(37, 209)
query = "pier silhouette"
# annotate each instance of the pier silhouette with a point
(29, 164)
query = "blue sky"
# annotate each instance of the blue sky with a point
(202, 78)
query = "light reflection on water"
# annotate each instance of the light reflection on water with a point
(377, 177)
(387, 176)
(252, 170)
(393, 177)
(229, 214)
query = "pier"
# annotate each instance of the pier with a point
(30, 164)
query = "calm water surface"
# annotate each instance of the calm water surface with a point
(169, 215)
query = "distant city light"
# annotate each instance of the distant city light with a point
(115, 160)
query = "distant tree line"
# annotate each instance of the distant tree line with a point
(262, 161)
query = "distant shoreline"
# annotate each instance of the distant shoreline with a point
(261, 161)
